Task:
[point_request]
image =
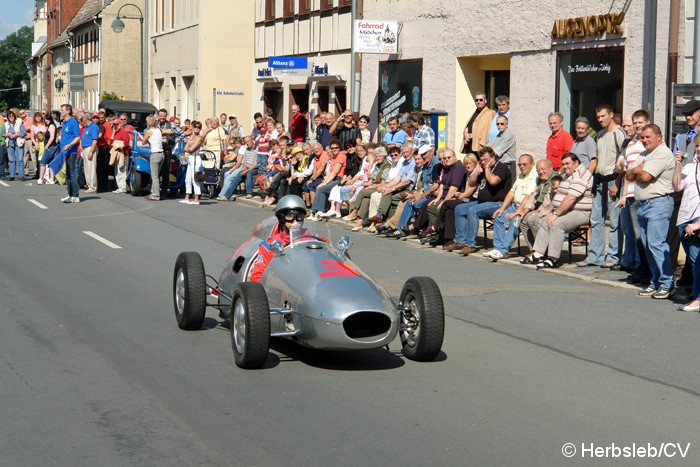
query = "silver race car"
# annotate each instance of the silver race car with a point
(310, 293)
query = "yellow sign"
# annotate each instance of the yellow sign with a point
(441, 133)
(585, 26)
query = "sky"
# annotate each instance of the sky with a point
(15, 14)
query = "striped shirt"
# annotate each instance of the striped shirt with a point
(579, 184)
(632, 152)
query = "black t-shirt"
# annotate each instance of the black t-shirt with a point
(345, 134)
(498, 192)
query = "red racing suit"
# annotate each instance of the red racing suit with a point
(265, 255)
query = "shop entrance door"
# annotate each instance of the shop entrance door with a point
(273, 103)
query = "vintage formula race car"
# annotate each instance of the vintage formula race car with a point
(310, 293)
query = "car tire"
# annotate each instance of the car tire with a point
(189, 291)
(250, 325)
(136, 182)
(421, 319)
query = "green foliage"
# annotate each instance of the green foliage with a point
(15, 50)
(110, 96)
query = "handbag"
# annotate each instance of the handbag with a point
(199, 176)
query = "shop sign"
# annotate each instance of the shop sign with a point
(588, 26)
(288, 62)
(376, 37)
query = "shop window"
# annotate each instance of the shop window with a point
(586, 79)
(497, 84)
(269, 10)
(400, 88)
(304, 7)
(288, 8)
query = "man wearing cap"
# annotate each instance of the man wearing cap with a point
(234, 128)
(504, 144)
(297, 125)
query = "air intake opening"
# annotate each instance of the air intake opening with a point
(366, 324)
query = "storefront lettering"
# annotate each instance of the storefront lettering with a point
(603, 68)
(390, 107)
(585, 26)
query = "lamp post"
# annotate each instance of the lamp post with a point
(118, 27)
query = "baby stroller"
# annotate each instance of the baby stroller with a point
(211, 164)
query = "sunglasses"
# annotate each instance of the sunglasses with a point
(336, 148)
(479, 100)
(294, 216)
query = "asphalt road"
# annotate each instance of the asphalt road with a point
(94, 370)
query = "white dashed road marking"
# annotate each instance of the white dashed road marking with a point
(102, 240)
(3, 183)
(37, 203)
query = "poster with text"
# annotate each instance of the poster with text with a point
(400, 88)
(376, 37)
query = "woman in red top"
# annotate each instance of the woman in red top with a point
(121, 145)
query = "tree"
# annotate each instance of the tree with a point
(15, 50)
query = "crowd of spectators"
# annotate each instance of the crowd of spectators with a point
(639, 197)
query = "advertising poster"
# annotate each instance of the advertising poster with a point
(400, 88)
(376, 37)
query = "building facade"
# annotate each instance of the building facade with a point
(546, 55)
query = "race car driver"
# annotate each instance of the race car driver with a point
(290, 214)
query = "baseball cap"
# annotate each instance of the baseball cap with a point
(231, 116)
(172, 119)
(423, 149)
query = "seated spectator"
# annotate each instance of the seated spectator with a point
(390, 193)
(571, 208)
(320, 161)
(493, 183)
(332, 174)
(248, 171)
(506, 219)
(536, 206)
(301, 171)
(378, 173)
(356, 172)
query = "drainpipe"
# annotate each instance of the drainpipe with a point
(696, 44)
(649, 84)
(353, 91)
(99, 60)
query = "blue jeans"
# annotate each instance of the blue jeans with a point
(228, 187)
(596, 245)
(504, 237)
(653, 216)
(643, 267)
(319, 204)
(249, 182)
(691, 245)
(630, 255)
(409, 211)
(467, 217)
(72, 175)
(15, 156)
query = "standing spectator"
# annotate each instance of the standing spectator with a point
(14, 133)
(194, 162)
(154, 138)
(653, 174)
(37, 126)
(88, 145)
(476, 132)
(70, 139)
(51, 148)
(683, 146)
(235, 129)
(685, 180)
(505, 227)
(103, 151)
(584, 146)
(259, 125)
(571, 208)
(423, 135)
(223, 123)
(215, 139)
(297, 125)
(365, 134)
(172, 134)
(323, 132)
(345, 131)
(29, 151)
(629, 259)
(502, 109)
(559, 142)
(395, 137)
(493, 182)
(120, 144)
(2, 149)
(504, 144)
(606, 190)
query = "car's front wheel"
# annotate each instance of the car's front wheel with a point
(250, 325)
(136, 181)
(422, 319)
(189, 291)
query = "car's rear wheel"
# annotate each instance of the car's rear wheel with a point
(189, 291)
(136, 181)
(422, 319)
(250, 325)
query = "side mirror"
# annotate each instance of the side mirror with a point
(344, 243)
(277, 247)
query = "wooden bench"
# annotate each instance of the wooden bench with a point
(580, 232)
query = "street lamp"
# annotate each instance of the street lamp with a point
(118, 26)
